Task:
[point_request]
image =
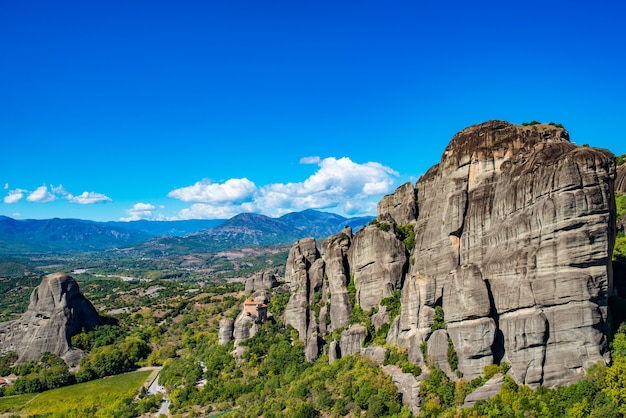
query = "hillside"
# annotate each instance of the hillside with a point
(33, 235)
(248, 229)
(167, 237)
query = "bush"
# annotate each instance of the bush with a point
(438, 320)
(406, 234)
(453, 358)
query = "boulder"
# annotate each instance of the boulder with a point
(408, 387)
(226, 329)
(489, 389)
(351, 340)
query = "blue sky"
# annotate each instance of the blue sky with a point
(203, 109)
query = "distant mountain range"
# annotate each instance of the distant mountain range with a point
(249, 229)
(168, 237)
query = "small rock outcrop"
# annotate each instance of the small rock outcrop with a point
(408, 387)
(56, 312)
(514, 230)
(489, 389)
(226, 330)
(400, 206)
(261, 281)
(351, 340)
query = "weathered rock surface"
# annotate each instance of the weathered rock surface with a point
(226, 329)
(304, 273)
(489, 389)
(351, 340)
(620, 181)
(408, 387)
(399, 207)
(338, 277)
(513, 236)
(375, 352)
(261, 281)
(244, 327)
(528, 212)
(56, 312)
(377, 260)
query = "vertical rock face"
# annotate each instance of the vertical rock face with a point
(304, 270)
(338, 277)
(527, 213)
(514, 230)
(400, 206)
(377, 260)
(261, 281)
(56, 312)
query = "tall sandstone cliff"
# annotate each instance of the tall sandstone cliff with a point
(514, 231)
(56, 312)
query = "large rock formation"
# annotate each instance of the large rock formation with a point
(514, 231)
(528, 213)
(56, 312)
(253, 314)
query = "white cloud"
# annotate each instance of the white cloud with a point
(141, 211)
(14, 196)
(60, 190)
(233, 190)
(6, 186)
(207, 211)
(41, 195)
(44, 194)
(309, 160)
(88, 198)
(339, 185)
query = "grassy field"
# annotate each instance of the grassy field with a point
(84, 396)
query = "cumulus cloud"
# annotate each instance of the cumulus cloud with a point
(58, 190)
(88, 198)
(6, 186)
(15, 196)
(44, 194)
(141, 211)
(41, 195)
(233, 190)
(339, 185)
